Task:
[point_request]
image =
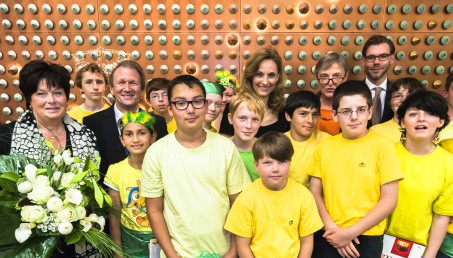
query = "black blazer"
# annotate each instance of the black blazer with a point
(105, 128)
(387, 113)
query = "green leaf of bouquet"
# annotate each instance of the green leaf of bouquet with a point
(50, 146)
(8, 185)
(87, 164)
(9, 222)
(14, 163)
(79, 177)
(10, 176)
(107, 197)
(98, 194)
(74, 237)
(41, 246)
(106, 246)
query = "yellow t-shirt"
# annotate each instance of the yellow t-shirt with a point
(447, 145)
(303, 154)
(352, 173)
(195, 184)
(274, 220)
(171, 126)
(78, 113)
(125, 179)
(447, 132)
(427, 188)
(389, 129)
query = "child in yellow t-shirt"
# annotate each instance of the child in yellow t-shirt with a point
(275, 216)
(396, 94)
(157, 98)
(246, 111)
(354, 179)
(132, 231)
(302, 112)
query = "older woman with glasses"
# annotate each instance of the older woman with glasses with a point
(331, 70)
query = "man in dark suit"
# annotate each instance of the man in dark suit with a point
(127, 83)
(378, 54)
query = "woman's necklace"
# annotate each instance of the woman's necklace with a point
(54, 136)
(325, 118)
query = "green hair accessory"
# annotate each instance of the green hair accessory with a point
(141, 117)
(213, 87)
(226, 79)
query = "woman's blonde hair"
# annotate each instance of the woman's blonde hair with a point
(276, 100)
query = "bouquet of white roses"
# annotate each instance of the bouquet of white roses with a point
(46, 203)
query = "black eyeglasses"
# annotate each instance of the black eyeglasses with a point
(382, 57)
(326, 80)
(184, 104)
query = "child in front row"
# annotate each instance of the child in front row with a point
(132, 231)
(275, 216)
(302, 112)
(246, 114)
(354, 179)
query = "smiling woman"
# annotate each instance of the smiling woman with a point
(46, 90)
(264, 77)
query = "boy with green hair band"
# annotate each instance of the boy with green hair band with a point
(246, 113)
(302, 112)
(131, 230)
(275, 216)
(354, 179)
(214, 96)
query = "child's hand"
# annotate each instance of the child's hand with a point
(339, 237)
(349, 251)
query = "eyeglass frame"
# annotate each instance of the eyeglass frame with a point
(381, 57)
(156, 95)
(187, 102)
(348, 112)
(399, 96)
(331, 79)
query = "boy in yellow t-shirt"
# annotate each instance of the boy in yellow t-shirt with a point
(275, 216)
(354, 179)
(302, 112)
(157, 98)
(246, 114)
(132, 231)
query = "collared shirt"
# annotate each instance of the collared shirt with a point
(383, 91)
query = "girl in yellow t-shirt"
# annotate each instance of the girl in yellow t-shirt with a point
(132, 231)
(425, 196)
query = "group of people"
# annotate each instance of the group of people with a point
(221, 168)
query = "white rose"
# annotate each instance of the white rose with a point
(41, 180)
(86, 225)
(65, 228)
(81, 212)
(23, 232)
(74, 196)
(67, 213)
(68, 160)
(24, 187)
(54, 204)
(30, 172)
(58, 159)
(56, 175)
(66, 180)
(40, 194)
(33, 213)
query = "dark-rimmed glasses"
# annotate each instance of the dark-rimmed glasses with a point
(184, 104)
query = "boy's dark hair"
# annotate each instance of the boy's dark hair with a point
(302, 98)
(274, 145)
(427, 101)
(92, 68)
(378, 40)
(411, 84)
(189, 80)
(349, 88)
(155, 85)
(449, 81)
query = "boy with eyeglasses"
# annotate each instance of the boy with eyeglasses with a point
(214, 97)
(378, 54)
(191, 178)
(354, 179)
(397, 93)
(157, 98)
